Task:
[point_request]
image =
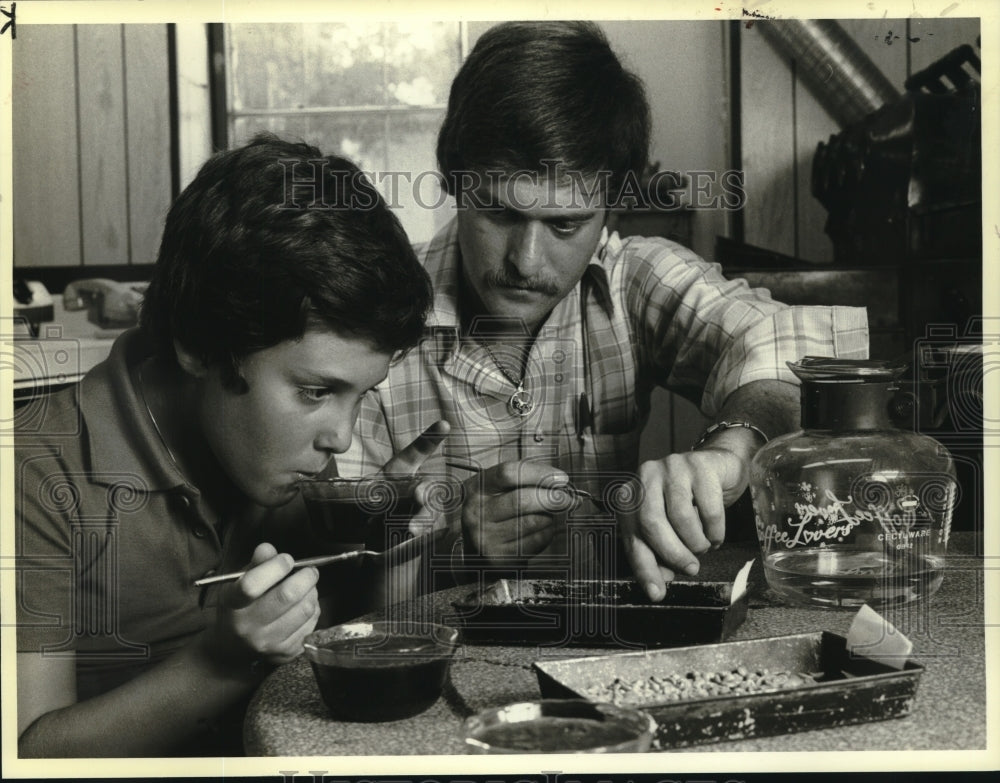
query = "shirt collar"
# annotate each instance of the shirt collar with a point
(121, 436)
(596, 274)
(442, 260)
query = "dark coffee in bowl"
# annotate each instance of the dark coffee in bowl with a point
(384, 688)
(370, 513)
(381, 677)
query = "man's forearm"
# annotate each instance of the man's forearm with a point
(772, 407)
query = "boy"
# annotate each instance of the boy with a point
(274, 307)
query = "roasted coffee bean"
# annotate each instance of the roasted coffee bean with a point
(696, 685)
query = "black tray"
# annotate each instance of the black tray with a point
(848, 688)
(613, 613)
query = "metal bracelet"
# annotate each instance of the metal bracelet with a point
(725, 425)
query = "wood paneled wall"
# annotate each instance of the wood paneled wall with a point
(92, 157)
(782, 122)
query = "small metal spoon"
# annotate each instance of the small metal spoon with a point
(304, 563)
(582, 493)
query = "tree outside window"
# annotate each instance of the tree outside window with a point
(374, 92)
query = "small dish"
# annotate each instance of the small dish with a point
(370, 512)
(380, 671)
(559, 726)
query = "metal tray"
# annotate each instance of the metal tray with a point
(595, 613)
(847, 688)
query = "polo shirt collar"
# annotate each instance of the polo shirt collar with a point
(120, 432)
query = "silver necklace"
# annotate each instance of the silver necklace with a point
(152, 418)
(520, 402)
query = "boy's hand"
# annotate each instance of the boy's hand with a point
(267, 613)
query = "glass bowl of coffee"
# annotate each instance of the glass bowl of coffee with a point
(367, 512)
(559, 726)
(381, 671)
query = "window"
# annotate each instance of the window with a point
(374, 92)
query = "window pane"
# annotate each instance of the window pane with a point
(423, 207)
(266, 68)
(361, 138)
(347, 64)
(421, 60)
(285, 66)
(404, 172)
(390, 80)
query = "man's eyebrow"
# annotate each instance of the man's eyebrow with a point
(486, 198)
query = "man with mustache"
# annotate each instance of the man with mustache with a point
(548, 333)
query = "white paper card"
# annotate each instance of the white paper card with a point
(872, 636)
(740, 582)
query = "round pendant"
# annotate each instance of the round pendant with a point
(520, 403)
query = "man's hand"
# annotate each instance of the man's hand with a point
(267, 613)
(514, 510)
(683, 514)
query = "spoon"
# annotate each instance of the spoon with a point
(581, 493)
(304, 563)
(396, 553)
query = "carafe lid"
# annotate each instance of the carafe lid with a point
(831, 370)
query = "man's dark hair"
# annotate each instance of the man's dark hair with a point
(272, 238)
(531, 92)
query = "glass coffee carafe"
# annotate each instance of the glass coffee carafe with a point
(852, 509)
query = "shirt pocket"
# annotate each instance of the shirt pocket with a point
(609, 460)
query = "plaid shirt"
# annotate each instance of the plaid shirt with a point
(647, 312)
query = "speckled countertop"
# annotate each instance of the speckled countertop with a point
(288, 718)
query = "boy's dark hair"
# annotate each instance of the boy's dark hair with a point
(272, 238)
(531, 92)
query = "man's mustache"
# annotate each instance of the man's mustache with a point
(501, 279)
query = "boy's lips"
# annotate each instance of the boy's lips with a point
(308, 475)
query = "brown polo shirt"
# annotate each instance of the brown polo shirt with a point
(110, 534)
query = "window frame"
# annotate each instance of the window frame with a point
(421, 220)
(222, 120)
